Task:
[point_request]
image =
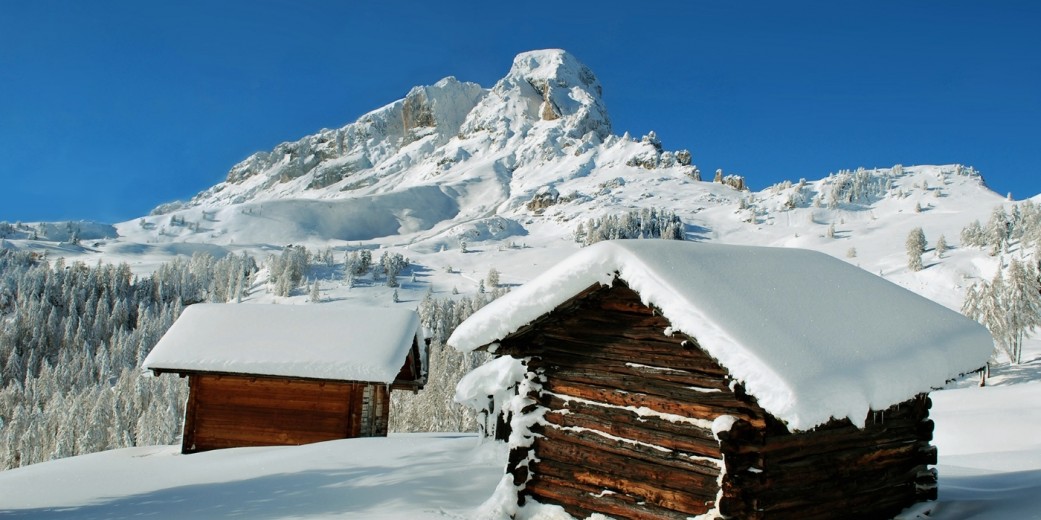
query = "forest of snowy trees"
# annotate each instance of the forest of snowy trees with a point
(72, 340)
(1009, 304)
(645, 223)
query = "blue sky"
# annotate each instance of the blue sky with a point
(108, 109)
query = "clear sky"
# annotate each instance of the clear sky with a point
(110, 108)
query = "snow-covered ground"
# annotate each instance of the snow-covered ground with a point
(989, 442)
(989, 465)
(413, 476)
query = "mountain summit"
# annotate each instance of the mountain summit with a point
(446, 158)
(548, 85)
(532, 160)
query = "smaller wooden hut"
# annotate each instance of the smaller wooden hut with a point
(667, 379)
(263, 375)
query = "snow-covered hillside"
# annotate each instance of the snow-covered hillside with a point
(460, 178)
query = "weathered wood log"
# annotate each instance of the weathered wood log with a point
(677, 369)
(666, 389)
(623, 429)
(643, 491)
(590, 336)
(578, 500)
(558, 385)
(683, 432)
(660, 476)
(673, 459)
(623, 365)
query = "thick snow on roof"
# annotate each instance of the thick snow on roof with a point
(810, 336)
(337, 342)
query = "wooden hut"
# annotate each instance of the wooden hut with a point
(263, 375)
(669, 379)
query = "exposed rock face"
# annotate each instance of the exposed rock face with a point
(543, 199)
(548, 112)
(546, 85)
(734, 181)
(416, 111)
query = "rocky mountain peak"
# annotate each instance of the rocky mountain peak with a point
(544, 85)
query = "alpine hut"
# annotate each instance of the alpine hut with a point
(263, 375)
(669, 379)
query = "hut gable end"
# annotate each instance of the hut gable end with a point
(633, 403)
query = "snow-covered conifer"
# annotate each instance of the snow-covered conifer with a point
(973, 235)
(1022, 298)
(915, 247)
(315, 295)
(998, 231)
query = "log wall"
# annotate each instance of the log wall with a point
(627, 430)
(226, 411)
(837, 468)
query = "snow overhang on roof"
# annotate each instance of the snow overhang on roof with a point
(335, 342)
(810, 336)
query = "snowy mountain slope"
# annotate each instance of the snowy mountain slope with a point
(489, 151)
(527, 161)
(510, 173)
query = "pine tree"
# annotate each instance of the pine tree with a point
(915, 247)
(972, 235)
(983, 303)
(1022, 297)
(941, 246)
(315, 296)
(998, 231)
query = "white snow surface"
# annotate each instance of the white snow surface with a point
(811, 337)
(337, 342)
(414, 476)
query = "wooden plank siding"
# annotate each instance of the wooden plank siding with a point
(233, 411)
(627, 430)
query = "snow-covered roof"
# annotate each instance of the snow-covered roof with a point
(337, 342)
(810, 336)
